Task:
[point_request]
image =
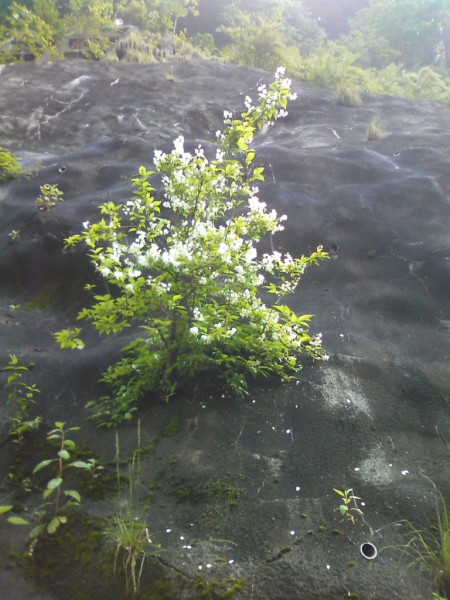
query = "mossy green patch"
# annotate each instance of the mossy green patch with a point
(41, 301)
(71, 559)
(10, 166)
(213, 492)
(173, 427)
(215, 590)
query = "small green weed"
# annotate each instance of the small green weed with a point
(50, 196)
(430, 548)
(131, 539)
(128, 531)
(20, 396)
(349, 96)
(345, 509)
(375, 131)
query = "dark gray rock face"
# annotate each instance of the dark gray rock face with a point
(375, 417)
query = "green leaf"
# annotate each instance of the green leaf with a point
(47, 492)
(272, 288)
(42, 465)
(258, 174)
(68, 338)
(242, 144)
(36, 532)
(343, 509)
(250, 156)
(64, 455)
(5, 508)
(53, 525)
(73, 494)
(17, 521)
(54, 483)
(80, 464)
(69, 444)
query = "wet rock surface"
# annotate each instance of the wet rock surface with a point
(244, 489)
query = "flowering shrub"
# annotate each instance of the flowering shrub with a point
(187, 270)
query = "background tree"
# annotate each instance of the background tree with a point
(5, 9)
(299, 26)
(416, 33)
(31, 34)
(49, 11)
(164, 14)
(132, 12)
(334, 17)
(265, 34)
(257, 40)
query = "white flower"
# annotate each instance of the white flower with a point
(118, 274)
(262, 89)
(158, 156)
(222, 249)
(105, 271)
(255, 205)
(250, 254)
(179, 144)
(227, 115)
(198, 315)
(85, 224)
(193, 330)
(280, 72)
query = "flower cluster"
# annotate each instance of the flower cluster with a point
(185, 264)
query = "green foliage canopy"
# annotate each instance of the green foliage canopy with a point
(415, 33)
(30, 32)
(265, 33)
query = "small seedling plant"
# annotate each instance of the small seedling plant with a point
(20, 396)
(49, 197)
(185, 268)
(59, 497)
(348, 508)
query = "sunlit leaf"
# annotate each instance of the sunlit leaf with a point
(17, 521)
